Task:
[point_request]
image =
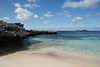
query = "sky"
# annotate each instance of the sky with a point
(52, 14)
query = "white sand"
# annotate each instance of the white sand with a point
(24, 59)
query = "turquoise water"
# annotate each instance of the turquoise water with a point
(76, 43)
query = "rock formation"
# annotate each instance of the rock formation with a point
(36, 32)
(11, 32)
(15, 32)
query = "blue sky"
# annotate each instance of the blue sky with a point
(52, 14)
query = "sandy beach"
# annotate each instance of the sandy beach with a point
(39, 59)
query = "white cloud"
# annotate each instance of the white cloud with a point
(98, 14)
(35, 5)
(36, 16)
(41, 18)
(81, 4)
(50, 27)
(31, 5)
(1, 19)
(23, 14)
(88, 16)
(67, 12)
(28, 5)
(32, 1)
(17, 5)
(48, 14)
(76, 19)
(46, 22)
(64, 12)
(6, 18)
(68, 16)
(68, 28)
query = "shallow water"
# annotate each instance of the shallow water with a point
(86, 44)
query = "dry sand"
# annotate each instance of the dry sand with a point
(38, 59)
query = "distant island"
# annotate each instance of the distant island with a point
(81, 30)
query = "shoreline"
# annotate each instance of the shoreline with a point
(44, 59)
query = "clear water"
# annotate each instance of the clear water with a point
(77, 43)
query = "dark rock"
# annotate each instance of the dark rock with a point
(81, 30)
(19, 24)
(11, 32)
(15, 33)
(35, 32)
(84, 30)
(77, 30)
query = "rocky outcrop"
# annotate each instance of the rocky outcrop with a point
(11, 32)
(15, 32)
(35, 32)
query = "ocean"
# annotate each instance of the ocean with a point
(85, 44)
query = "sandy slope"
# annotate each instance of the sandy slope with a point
(24, 59)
